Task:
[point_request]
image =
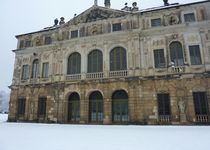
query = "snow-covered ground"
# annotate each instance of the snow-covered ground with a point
(27, 136)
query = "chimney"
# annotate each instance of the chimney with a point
(107, 3)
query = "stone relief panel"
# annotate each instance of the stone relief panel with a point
(96, 14)
(171, 19)
(192, 38)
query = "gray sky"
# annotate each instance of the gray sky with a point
(23, 16)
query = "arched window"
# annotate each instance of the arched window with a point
(74, 64)
(176, 53)
(120, 106)
(118, 59)
(74, 107)
(35, 68)
(95, 61)
(96, 107)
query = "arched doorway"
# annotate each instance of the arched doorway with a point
(120, 106)
(96, 107)
(74, 108)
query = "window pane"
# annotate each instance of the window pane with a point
(176, 53)
(96, 107)
(74, 107)
(48, 40)
(200, 103)
(116, 27)
(28, 44)
(45, 70)
(95, 61)
(189, 17)
(74, 64)
(156, 22)
(159, 58)
(120, 106)
(195, 55)
(21, 44)
(21, 106)
(25, 72)
(163, 104)
(42, 106)
(118, 59)
(35, 69)
(74, 34)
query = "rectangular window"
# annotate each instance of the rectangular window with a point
(163, 104)
(48, 40)
(200, 103)
(25, 72)
(42, 106)
(195, 55)
(156, 22)
(21, 106)
(45, 70)
(159, 58)
(74, 34)
(21, 44)
(116, 27)
(190, 17)
(28, 44)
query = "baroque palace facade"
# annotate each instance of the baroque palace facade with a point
(108, 66)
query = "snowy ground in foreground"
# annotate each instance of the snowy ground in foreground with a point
(27, 136)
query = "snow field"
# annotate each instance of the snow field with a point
(28, 136)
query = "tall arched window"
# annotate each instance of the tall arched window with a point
(118, 59)
(74, 107)
(74, 64)
(96, 107)
(35, 68)
(95, 61)
(176, 53)
(120, 106)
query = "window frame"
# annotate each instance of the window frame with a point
(96, 110)
(25, 72)
(158, 59)
(74, 107)
(45, 73)
(42, 106)
(192, 52)
(74, 34)
(95, 61)
(35, 69)
(28, 43)
(164, 104)
(71, 61)
(118, 59)
(120, 107)
(153, 24)
(116, 27)
(21, 106)
(47, 40)
(202, 107)
(178, 52)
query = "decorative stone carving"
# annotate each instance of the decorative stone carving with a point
(96, 14)
(171, 19)
(182, 105)
(37, 41)
(158, 42)
(192, 38)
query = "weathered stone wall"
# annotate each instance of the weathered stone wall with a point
(142, 98)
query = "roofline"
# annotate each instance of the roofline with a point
(174, 5)
(43, 30)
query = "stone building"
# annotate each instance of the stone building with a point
(108, 66)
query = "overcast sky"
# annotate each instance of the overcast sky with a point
(23, 16)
